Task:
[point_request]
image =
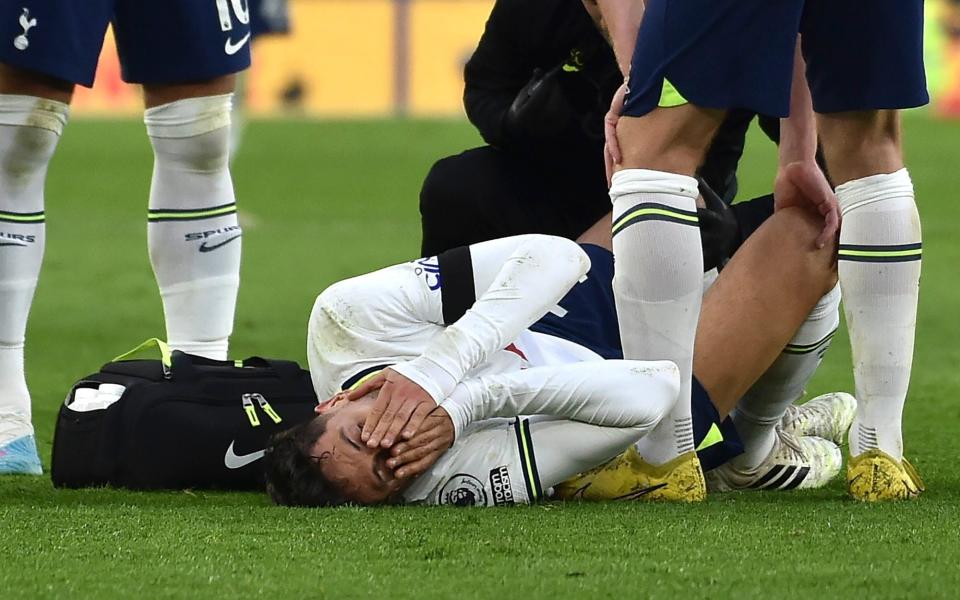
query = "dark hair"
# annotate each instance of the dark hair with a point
(293, 475)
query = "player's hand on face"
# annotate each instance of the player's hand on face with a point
(400, 408)
(414, 456)
(367, 387)
(611, 147)
(372, 384)
(803, 184)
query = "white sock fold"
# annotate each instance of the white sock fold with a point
(193, 233)
(30, 128)
(763, 406)
(658, 285)
(879, 267)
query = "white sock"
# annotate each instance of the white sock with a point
(193, 233)
(29, 130)
(763, 406)
(658, 284)
(879, 270)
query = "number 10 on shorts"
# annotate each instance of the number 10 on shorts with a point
(240, 8)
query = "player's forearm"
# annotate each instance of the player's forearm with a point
(526, 284)
(619, 394)
(798, 132)
(487, 110)
(622, 20)
(502, 64)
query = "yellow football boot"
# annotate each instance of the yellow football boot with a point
(629, 477)
(875, 475)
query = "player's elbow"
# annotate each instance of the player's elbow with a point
(564, 254)
(320, 317)
(655, 387)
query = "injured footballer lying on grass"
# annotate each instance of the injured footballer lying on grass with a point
(504, 361)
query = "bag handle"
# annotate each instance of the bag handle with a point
(182, 364)
(160, 344)
(285, 369)
(166, 356)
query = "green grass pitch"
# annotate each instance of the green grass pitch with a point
(322, 201)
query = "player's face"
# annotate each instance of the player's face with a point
(359, 472)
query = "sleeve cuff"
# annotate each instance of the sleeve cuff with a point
(428, 375)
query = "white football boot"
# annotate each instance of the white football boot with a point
(793, 463)
(828, 416)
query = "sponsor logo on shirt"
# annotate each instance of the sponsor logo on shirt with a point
(429, 269)
(500, 486)
(463, 490)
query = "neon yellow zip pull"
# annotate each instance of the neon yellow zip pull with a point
(248, 408)
(268, 409)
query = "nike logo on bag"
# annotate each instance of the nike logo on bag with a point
(230, 48)
(205, 248)
(232, 460)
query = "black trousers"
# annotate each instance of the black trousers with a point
(487, 193)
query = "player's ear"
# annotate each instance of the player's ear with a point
(328, 404)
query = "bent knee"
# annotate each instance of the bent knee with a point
(659, 382)
(860, 127)
(439, 187)
(861, 144)
(18, 81)
(799, 228)
(673, 140)
(155, 94)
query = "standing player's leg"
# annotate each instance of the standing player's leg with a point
(193, 233)
(658, 281)
(879, 266)
(857, 82)
(45, 48)
(33, 112)
(677, 70)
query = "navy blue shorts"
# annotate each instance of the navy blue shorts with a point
(728, 54)
(269, 17)
(591, 321)
(159, 41)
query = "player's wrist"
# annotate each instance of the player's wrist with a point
(429, 375)
(457, 407)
